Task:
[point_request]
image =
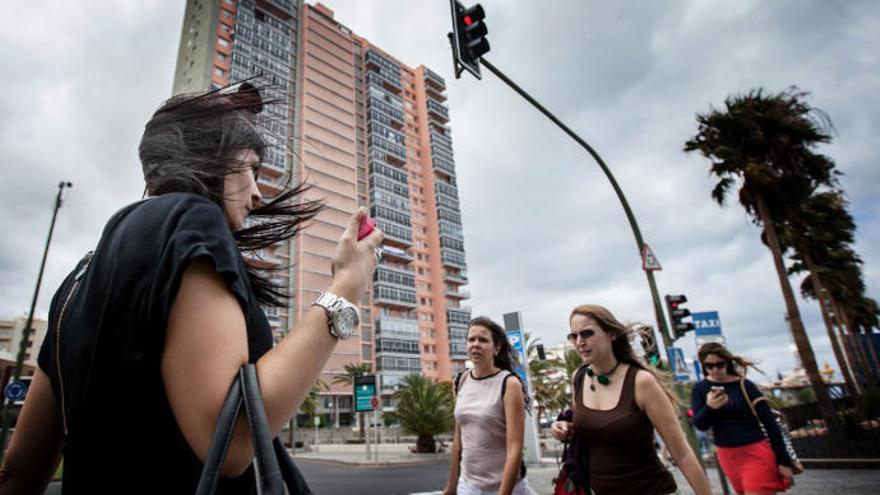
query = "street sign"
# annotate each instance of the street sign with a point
(317, 421)
(649, 261)
(364, 392)
(374, 402)
(706, 323)
(16, 390)
(677, 364)
(515, 337)
(707, 328)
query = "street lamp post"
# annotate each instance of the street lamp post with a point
(26, 332)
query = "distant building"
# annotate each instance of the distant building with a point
(10, 343)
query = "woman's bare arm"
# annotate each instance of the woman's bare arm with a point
(651, 398)
(35, 449)
(514, 414)
(206, 344)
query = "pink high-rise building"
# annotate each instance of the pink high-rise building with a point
(363, 129)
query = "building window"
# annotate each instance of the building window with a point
(222, 42)
(219, 72)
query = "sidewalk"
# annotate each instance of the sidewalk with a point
(355, 454)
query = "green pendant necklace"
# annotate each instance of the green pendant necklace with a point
(601, 378)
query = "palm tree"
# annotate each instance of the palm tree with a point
(548, 387)
(571, 362)
(352, 371)
(764, 143)
(820, 235)
(425, 409)
(309, 406)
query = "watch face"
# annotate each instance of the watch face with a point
(346, 321)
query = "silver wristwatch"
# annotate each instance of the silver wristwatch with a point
(343, 315)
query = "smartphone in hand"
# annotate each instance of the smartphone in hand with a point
(367, 226)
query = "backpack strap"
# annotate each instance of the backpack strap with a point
(459, 379)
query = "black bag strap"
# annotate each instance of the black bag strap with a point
(273, 467)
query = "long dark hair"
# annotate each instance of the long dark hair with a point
(190, 145)
(620, 346)
(736, 365)
(506, 358)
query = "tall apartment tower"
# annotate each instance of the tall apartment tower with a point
(364, 130)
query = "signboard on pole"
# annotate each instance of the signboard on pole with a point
(364, 391)
(649, 261)
(707, 327)
(677, 364)
(515, 337)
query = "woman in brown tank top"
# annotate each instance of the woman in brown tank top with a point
(618, 404)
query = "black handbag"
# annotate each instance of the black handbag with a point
(273, 466)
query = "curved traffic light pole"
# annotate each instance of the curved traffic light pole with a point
(658, 311)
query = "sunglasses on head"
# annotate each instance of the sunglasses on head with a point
(583, 334)
(719, 365)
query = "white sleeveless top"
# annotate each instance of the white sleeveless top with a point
(479, 411)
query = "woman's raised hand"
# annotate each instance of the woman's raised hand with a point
(355, 261)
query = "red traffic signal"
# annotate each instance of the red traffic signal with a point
(469, 41)
(677, 314)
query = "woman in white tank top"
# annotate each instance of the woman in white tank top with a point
(489, 418)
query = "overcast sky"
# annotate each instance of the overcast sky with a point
(543, 228)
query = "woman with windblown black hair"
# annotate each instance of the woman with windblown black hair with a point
(489, 418)
(147, 334)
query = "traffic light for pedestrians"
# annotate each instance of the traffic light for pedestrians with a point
(469, 41)
(677, 314)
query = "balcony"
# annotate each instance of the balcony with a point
(374, 59)
(393, 153)
(459, 277)
(435, 80)
(444, 188)
(395, 235)
(400, 278)
(394, 253)
(388, 171)
(443, 166)
(458, 294)
(397, 328)
(386, 345)
(384, 80)
(391, 295)
(439, 138)
(452, 258)
(437, 111)
(458, 315)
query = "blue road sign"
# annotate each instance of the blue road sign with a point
(677, 364)
(706, 323)
(364, 391)
(16, 390)
(515, 337)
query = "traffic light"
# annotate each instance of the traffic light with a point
(677, 314)
(645, 336)
(469, 41)
(542, 355)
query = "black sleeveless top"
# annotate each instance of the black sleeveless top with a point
(103, 353)
(620, 446)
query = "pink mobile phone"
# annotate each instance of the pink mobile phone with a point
(367, 226)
